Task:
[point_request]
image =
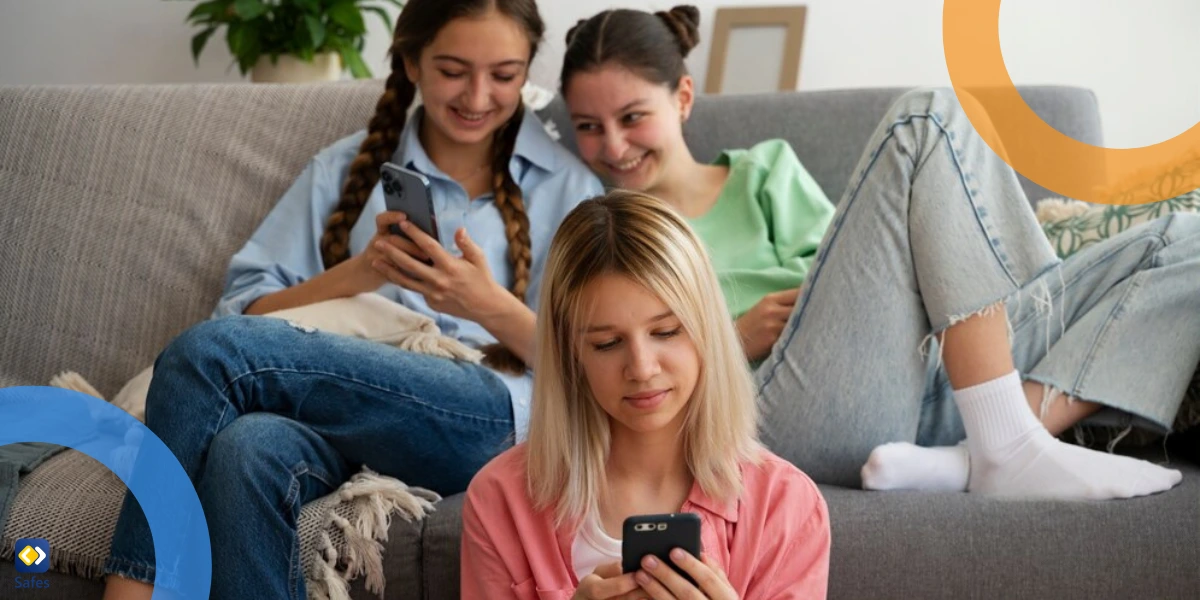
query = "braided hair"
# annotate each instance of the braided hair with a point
(416, 27)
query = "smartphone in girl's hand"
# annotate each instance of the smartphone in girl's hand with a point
(658, 535)
(408, 191)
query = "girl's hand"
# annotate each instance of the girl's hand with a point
(462, 287)
(607, 582)
(661, 582)
(365, 277)
(761, 326)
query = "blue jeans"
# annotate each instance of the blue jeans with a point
(933, 228)
(265, 417)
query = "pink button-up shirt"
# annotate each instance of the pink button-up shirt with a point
(772, 542)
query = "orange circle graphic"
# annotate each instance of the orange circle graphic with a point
(971, 38)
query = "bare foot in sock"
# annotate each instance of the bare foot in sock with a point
(1011, 453)
(905, 466)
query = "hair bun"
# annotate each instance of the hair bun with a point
(684, 21)
(574, 30)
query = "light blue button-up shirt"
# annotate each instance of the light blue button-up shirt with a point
(285, 249)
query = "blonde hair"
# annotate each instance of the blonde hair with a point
(640, 237)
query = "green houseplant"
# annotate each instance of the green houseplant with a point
(309, 30)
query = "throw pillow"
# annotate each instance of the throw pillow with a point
(1072, 225)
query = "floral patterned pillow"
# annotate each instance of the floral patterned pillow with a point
(1072, 225)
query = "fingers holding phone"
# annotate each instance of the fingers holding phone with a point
(607, 582)
(705, 578)
(388, 229)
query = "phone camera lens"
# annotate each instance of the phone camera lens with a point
(387, 176)
(387, 189)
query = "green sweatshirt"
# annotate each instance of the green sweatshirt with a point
(763, 232)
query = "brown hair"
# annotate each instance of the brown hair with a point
(651, 45)
(418, 24)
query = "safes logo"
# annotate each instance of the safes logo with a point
(32, 555)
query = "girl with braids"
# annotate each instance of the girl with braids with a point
(642, 405)
(264, 416)
(934, 248)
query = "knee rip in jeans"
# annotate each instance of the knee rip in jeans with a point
(923, 348)
(1043, 300)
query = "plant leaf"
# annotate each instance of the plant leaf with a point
(207, 12)
(249, 10)
(233, 36)
(397, 3)
(316, 31)
(352, 59)
(348, 16)
(387, 19)
(244, 43)
(198, 42)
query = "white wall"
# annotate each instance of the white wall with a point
(123, 41)
(1139, 55)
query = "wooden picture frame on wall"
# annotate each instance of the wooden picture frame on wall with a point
(768, 35)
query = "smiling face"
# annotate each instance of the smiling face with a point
(629, 129)
(639, 362)
(471, 75)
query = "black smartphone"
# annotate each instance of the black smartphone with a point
(658, 535)
(408, 191)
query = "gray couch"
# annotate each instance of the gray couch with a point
(122, 206)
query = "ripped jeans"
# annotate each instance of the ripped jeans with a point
(934, 228)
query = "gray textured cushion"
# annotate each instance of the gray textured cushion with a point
(828, 129)
(931, 546)
(907, 545)
(123, 205)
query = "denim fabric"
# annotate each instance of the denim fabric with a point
(17, 460)
(934, 228)
(265, 416)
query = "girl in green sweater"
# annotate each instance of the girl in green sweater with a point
(927, 309)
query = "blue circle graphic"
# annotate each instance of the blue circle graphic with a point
(183, 557)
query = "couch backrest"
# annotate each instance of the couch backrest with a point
(123, 204)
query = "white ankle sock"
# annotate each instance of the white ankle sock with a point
(905, 466)
(1011, 453)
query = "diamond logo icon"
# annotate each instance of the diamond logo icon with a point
(31, 555)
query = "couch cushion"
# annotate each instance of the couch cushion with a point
(940, 545)
(924, 545)
(1072, 226)
(123, 204)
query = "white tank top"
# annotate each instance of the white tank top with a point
(593, 547)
